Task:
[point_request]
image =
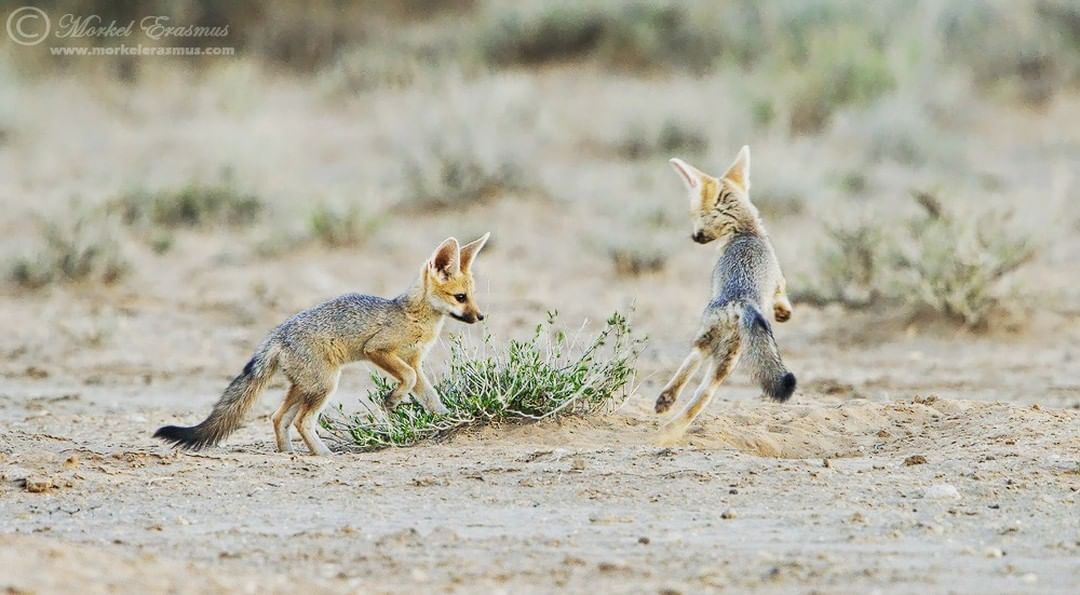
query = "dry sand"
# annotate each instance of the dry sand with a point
(851, 487)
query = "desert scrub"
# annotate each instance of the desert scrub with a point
(844, 67)
(635, 257)
(549, 375)
(194, 205)
(1029, 50)
(672, 137)
(933, 262)
(83, 247)
(634, 261)
(337, 226)
(956, 265)
(629, 35)
(449, 176)
(851, 266)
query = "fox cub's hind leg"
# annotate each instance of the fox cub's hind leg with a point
(686, 371)
(311, 402)
(702, 347)
(283, 418)
(726, 355)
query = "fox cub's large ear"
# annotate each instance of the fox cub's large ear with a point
(739, 172)
(445, 262)
(470, 250)
(691, 176)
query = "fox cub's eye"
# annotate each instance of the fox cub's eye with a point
(460, 297)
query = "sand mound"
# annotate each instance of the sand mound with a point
(813, 428)
(853, 429)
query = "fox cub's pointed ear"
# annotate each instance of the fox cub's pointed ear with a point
(445, 261)
(691, 176)
(739, 172)
(470, 250)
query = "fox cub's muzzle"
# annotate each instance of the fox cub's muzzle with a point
(468, 317)
(701, 237)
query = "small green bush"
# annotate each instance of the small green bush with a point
(547, 376)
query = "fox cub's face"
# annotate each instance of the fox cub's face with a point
(718, 206)
(449, 281)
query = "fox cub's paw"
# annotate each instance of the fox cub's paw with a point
(782, 312)
(390, 402)
(665, 401)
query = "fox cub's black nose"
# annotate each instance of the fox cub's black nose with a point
(700, 237)
(479, 316)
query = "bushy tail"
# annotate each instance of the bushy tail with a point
(759, 349)
(229, 411)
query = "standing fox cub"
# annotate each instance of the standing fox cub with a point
(746, 283)
(311, 347)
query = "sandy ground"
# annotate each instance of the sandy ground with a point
(921, 462)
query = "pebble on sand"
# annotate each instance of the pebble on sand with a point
(37, 485)
(941, 491)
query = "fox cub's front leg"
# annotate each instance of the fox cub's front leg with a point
(781, 304)
(429, 397)
(393, 365)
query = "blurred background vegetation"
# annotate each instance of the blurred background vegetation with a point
(336, 121)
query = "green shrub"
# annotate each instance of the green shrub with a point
(547, 376)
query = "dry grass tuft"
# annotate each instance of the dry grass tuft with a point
(194, 205)
(935, 262)
(82, 246)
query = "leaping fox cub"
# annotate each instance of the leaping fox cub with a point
(311, 347)
(746, 283)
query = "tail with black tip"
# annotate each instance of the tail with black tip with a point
(761, 352)
(229, 411)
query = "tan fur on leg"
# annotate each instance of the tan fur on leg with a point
(674, 428)
(283, 418)
(311, 405)
(670, 394)
(397, 368)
